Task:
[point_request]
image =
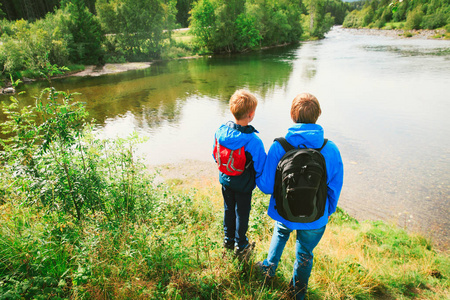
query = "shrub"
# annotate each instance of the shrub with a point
(31, 46)
(414, 19)
(434, 21)
(59, 164)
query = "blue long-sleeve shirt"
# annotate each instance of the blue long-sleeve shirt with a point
(311, 136)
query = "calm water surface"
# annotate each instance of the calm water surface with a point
(385, 104)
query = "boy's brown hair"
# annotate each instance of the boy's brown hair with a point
(241, 103)
(305, 108)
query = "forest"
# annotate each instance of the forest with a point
(404, 14)
(38, 36)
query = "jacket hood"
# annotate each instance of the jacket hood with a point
(305, 135)
(234, 136)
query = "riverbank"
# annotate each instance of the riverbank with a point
(94, 71)
(395, 33)
(399, 33)
(198, 174)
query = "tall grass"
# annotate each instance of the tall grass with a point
(174, 252)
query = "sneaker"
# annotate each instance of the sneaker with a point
(228, 246)
(262, 271)
(244, 253)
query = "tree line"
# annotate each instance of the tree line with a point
(37, 34)
(408, 14)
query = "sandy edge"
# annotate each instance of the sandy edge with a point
(398, 33)
(94, 71)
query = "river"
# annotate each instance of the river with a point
(385, 103)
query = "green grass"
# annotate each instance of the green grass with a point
(181, 45)
(174, 252)
(394, 25)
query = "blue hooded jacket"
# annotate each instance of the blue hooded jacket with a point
(234, 136)
(311, 136)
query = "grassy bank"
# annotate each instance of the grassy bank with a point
(174, 252)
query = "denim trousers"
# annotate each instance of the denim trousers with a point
(307, 240)
(237, 211)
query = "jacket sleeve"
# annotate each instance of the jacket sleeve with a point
(335, 178)
(267, 180)
(258, 156)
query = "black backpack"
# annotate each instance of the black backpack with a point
(300, 189)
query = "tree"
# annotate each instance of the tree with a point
(415, 14)
(28, 9)
(337, 9)
(138, 25)
(87, 36)
(2, 14)
(320, 22)
(183, 12)
(238, 25)
(414, 19)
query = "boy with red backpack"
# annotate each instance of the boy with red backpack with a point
(240, 157)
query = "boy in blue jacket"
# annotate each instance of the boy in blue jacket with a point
(240, 156)
(305, 111)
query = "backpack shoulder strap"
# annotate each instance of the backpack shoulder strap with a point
(285, 144)
(324, 143)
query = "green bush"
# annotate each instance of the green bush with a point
(414, 19)
(351, 20)
(224, 26)
(434, 21)
(31, 46)
(60, 165)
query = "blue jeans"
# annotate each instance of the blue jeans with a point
(237, 211)
(307, 240)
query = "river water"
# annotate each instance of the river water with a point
(385, 103)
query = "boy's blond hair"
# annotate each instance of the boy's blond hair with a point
(305, 108)
(241, 103)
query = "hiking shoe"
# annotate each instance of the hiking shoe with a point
(228, 246)
(294, 292)
(262, 271)
(244, 253)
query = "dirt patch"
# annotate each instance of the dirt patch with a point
(111, 69)
(187, 172)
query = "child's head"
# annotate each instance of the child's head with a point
(242, 103)
(305, 108)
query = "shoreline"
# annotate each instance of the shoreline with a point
(114, 68)
(399, 33)
(200, 174)
(95, 71)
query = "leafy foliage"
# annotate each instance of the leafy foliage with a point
(318, 21)
(236, 26)
(136, 27)
(183, 12)
(62, 168)
(86, 34)
(416, 14)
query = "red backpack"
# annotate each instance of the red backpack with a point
(230, 162)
